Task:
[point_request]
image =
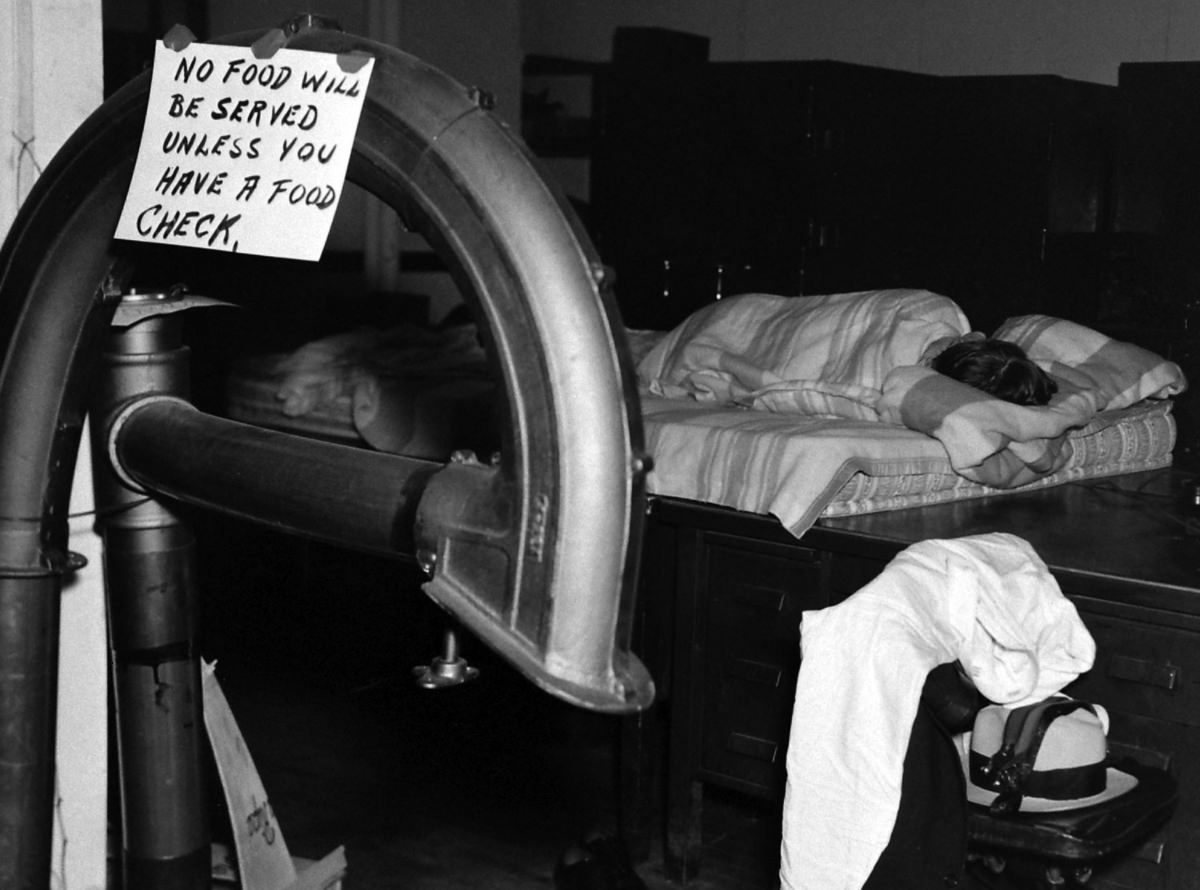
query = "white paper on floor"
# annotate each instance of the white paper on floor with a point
(263, 861)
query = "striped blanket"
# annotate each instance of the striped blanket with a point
(861, 356)
(825, 356)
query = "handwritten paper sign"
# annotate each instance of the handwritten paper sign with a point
(243, 154)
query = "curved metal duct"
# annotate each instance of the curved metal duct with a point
(537, 554)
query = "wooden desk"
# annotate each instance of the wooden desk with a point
(722, 594)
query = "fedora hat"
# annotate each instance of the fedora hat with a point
(1042, 758)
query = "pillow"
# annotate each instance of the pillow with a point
(1115, 373)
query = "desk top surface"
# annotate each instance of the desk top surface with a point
(1139, 528)
(1135, 538)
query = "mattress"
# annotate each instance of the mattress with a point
(799, 469)
(1136, 438)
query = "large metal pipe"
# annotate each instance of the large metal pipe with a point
(150, 574)
(458, 520)
(150, 580)
(28, 685)
(353, 497)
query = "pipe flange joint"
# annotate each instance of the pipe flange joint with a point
(114, 431)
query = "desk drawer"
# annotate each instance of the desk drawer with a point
(755, 598)
(1142, 669)
(746, 734)
(849, 573)
(755, 595)
(1170, 858)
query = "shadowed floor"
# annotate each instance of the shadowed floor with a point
(478, 786)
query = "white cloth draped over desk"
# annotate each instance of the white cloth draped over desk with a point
(986, 600)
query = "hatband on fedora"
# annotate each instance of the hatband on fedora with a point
(1046, 757)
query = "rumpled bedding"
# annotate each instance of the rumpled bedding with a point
(406, 389)
(862, 356)
(824, 355)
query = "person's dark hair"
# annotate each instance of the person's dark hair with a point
(997, 367)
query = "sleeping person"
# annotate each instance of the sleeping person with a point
(870, 356)
(831, 355)
(997, 367)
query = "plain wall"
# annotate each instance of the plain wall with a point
(50, 81)
(1081, 39)
(474, 41)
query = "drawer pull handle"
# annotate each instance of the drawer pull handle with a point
(750, 746)
(760, 597)
(1141, 670)
(1118, 750)
(757, 672)
(1151, 851)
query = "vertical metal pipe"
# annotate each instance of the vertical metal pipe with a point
(149, 568)
(29, 609)
(160, 723)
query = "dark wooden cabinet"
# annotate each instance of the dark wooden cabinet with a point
(1153, 274)
(818, 177)
(1022, 176)
(1157, 180)
(729, 588)
(728, 177)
